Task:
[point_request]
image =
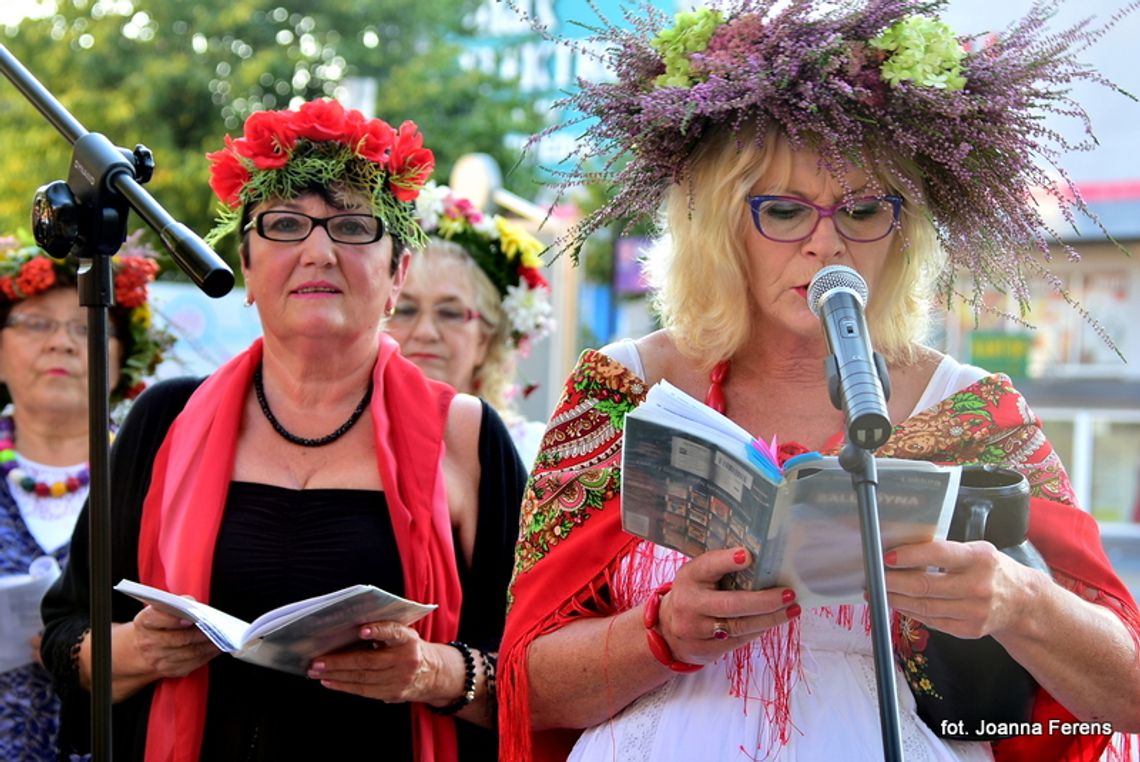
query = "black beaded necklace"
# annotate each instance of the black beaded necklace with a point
(259, 389)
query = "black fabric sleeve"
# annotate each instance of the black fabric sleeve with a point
(501, 483)
(66, 607)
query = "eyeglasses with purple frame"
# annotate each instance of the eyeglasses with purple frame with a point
(871, 222)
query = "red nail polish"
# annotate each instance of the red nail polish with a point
(740, 556)
(890, 557)
(794, 611)
(789, 596)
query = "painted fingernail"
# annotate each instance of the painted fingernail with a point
(365, 632)
(317, 666)
(794, 611)
(789, 595)
(890, 557)
(740, 556)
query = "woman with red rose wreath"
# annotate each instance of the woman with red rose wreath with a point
(44, 438)
(317, 459)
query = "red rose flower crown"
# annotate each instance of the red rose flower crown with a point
(282, 153)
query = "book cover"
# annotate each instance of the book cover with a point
(693, 480)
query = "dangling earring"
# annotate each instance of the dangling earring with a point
(389, 308)
(248, 300)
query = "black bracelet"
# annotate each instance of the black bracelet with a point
(468, 681)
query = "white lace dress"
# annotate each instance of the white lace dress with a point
(834, 711)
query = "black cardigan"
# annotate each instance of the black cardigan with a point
(66, 606)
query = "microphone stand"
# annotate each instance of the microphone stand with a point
(87, 216)
(860, 463)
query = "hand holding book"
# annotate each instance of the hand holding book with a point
(693, 480)
(289, 637)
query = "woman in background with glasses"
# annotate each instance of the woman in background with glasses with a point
(473, 302)
(316, 460)
(44, 445)
(778, 140)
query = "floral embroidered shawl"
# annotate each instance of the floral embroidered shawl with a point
(571, 543)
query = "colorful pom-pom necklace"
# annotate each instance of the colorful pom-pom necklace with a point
(9, 465)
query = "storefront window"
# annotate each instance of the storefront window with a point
(1116, 471)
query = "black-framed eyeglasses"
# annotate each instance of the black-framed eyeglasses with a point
(290, 227)
(789, 220)
(42, 326)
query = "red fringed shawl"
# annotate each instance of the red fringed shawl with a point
(571, 542)
(183, 510)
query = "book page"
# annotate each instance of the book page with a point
(20, 620)
(224, 631)
(290, 637)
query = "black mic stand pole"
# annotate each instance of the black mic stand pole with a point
(87, 216)
(860, 463)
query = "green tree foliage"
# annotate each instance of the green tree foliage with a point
(177, 75)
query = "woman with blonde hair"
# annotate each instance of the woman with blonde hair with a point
(782, 139)
(474, 301)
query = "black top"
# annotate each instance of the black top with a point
(275, 546)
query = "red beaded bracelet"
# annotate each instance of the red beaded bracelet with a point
(657, 642)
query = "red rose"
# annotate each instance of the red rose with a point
(320, 120)
(135, 390)
(372, 139)
(410, 164)
(227, 175)
(131, 277)
(268, 140)
(8, 289)
(533, 277)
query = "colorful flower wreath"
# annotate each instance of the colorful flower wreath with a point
(877, 78)
(506, 253)
(27, 271)
(282, 153)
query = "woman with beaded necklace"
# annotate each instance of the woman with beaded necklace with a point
(776, 139)
(317, 459)
(44, 436)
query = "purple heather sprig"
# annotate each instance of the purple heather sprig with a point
(870, 79)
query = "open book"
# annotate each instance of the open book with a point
(289, 637)
(20, 596)
(693, 480)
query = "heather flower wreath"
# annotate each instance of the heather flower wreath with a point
(281, 153)
(875, 78)
(506, 253)
(26, 271)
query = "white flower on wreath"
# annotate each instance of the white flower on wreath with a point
(530, 312)
(486, 227)
(429, 205)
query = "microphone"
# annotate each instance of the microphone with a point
(856, 376)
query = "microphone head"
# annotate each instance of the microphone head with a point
(830, 278)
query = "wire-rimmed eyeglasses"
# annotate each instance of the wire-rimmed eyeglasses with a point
(42, 326)
(290, 227)
(789, 220)
(445, 316)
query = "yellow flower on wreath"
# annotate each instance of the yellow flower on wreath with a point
(515, 241)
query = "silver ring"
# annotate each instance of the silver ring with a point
(720, 630)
